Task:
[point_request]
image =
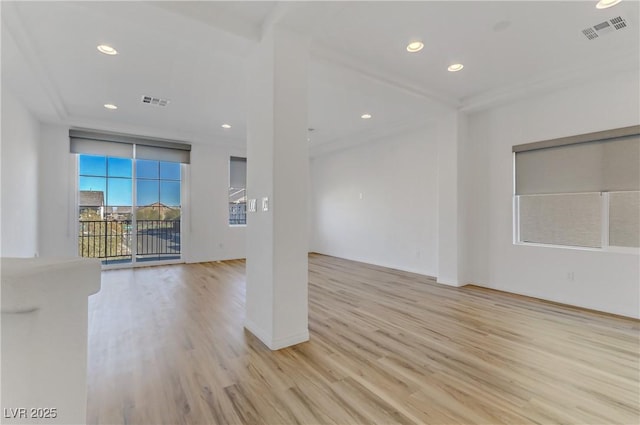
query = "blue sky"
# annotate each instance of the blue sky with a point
(156, 181)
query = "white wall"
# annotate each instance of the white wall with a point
(449, 127)
(57, 218)
(395, 222)
(207, 235)
(278, 167)
(19, 152)
(605, 281)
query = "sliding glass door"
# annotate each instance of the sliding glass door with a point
(129, 210)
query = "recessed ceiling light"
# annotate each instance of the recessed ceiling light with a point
(455, 67)
(226, 126)
(604, 4)
(365, 116)
(107, 50)
(110, 106)
(415, 46)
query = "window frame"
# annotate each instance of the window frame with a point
(604, 194)
(235, 225)
(184, 218)
(604, 233)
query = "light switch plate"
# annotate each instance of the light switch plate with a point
(265, 204)
(252, 205)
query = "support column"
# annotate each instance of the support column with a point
(449, 129)
(277, 176)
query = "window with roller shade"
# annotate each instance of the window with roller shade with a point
(237, 191)
(129, 198)
(581, 191)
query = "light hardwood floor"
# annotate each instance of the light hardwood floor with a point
(167, 346)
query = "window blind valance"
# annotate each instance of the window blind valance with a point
(596, 162)
(126, 146)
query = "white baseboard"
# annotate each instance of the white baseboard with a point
(450, 282)
(276, 344)
(298, 338)
(428, 274)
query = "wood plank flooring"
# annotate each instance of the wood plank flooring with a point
(167, 346)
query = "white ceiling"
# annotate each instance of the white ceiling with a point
(193, 53)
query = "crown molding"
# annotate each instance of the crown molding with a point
(331, 57)
(231, 24)
(370, 136)
(549, 82)
(277, 14)
(15, 25)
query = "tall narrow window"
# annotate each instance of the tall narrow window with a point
(129, 200)
(237, 190)
(580, 191)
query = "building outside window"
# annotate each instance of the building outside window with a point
(237, 191)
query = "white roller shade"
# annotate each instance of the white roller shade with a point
(624, 219)
(621, 164)
(594, 166)
(570, 219)
(162, 154)
(97, 147)
(238, 172)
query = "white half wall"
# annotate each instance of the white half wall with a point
(19, 153)
(378, 203)
(207, 235)
(605, 281)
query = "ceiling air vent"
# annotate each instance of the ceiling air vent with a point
(590, 33)
(605, 27)
(618, 23)
(155, 101)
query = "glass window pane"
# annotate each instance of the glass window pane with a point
(237, 192)
(170, 170)
(237, 213)
(90, 213)
(147, 192)
(624, 219)
(119, 167)
(92, 184)
(91, 165)
(147, 169)
(117, 213)
(119, 192)
(237, 195)
(170, 193)
(170, 213)
(572, 219)
(144, 214)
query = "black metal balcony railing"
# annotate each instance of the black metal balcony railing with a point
(237, 213)
(112, 240)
